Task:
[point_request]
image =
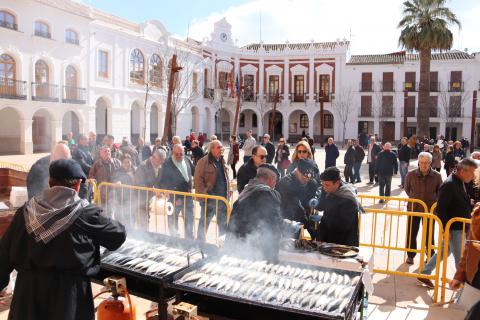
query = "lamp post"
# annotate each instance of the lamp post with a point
(167, 132)
(405, 105)
(322, 97)
(272, 116)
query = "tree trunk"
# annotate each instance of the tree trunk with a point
(423, 114)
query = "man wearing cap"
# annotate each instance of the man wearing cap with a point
(256, 223)
(296, 190)
(249, 169)
(53, 243)
(338, 201)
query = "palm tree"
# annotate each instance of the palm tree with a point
(425, 27)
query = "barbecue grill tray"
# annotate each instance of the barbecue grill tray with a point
(347, 314)
(204, 249)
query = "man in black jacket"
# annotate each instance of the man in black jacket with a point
(177, 176)
(84, 158)
(296, 190)
(255, 225)
(373, 151)
(359, 156)
(454, 201)
(249, 169)
(349, 161)
(338, 201)
(267, 144)
(144, 151)
(54, 244)
(404, 154)
(386, 166)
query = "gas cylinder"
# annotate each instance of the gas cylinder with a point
(116, 308)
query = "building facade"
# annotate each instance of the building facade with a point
(66, 67)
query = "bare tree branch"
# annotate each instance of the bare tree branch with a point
(343, 107)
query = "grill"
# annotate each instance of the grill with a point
(218, 303)
(149, 285)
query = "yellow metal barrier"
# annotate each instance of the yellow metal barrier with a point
(391, 203)
(433, 208)
(12, 166)
(464, 222)
(92, 183)
(158, 210)
(387, 229)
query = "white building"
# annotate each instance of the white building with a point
(67, 67)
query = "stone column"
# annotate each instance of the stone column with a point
(285, 127)
(311, 125)
(56, 127)
(260, 78)
(311, 79)
(286, 79)
(26, 143)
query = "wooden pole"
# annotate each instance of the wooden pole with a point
(167, 132)
(474, 120)
(405, 105)
(321, 121)
(237, 110)
(272, 117)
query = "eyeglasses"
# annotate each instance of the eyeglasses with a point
(302, 151)
(261, 156)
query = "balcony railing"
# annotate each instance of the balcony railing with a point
(454, 112)
(366, 86)
(44, 92)
(324, 96)
(249, 96)
(13, 89)
(434, 86)
(208, 93)
(410, 86)
(387, 86)
(8, 25)
(299, 97)
(366, 112)
(43, 34)
(455, 86)
(74, 95)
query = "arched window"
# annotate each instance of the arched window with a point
(42, 29)
(7, 20)
(241, 121)
(7, 67)
(41, 72)
(71, 76)
(137, 67)
(155, 71)
(71, 36)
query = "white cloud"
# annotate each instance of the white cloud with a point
(372, 23)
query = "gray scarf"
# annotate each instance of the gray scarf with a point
(52, 213)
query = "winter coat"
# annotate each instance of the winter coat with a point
(172, 178)
(404, 153)
(349, 158)
(386, 164)
(246, 172)
(102, 171)
(205, 176)
(425, 188)
(436, 160)
(458, 153)
(282, 154)
(270, 151)
(339, 223)
(359, 154)
(331, 155)
(233, 154)
(256, 223)
(145, 175)
(53, 280)
(449, 161)
(84, 158)
(197, 154)
(373, 151)
(144, 152)
(248, 146)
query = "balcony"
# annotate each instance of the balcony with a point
(410, 86)
(387, 112)
(208, 93)
(249, 96)
(270, 97)
(44, 92)
(366, 112)
(299, 97)
(387, 86)
(456, 86)
(13, 89)
(74, 95)
(43, 34)
(9, 25)
(454, 112)
(434, 86)
(366, 86)
(322, 96)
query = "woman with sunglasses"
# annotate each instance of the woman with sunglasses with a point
(302, 151)
(282, 155)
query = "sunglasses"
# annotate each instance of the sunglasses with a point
(281, 141)
(302, 151)
(261, 156)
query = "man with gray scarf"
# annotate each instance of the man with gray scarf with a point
(338, 201)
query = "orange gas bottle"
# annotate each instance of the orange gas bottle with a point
(119, 305)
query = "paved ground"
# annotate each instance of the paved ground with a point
(395, 297)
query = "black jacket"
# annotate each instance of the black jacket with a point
(84, 158)
(331, 155)
(386, 164)
(350, 155)
(284, 154)
(172, 178)
(246, 172)
(38, 176)
(359, 154)
(270, 151)
(295, 197)
(53, 279)
(376, 149)
(197, 154)
(256, 222)
(144, 152)
(449, 161)
(404, 153)
(339, 223)
(453, 201)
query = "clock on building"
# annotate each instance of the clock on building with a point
(223, 36)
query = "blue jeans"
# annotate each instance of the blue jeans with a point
(208, 212)
(356, 171)
(454, 246)
(385, 185)
(403, 171)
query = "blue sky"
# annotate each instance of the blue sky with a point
(370, 24)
